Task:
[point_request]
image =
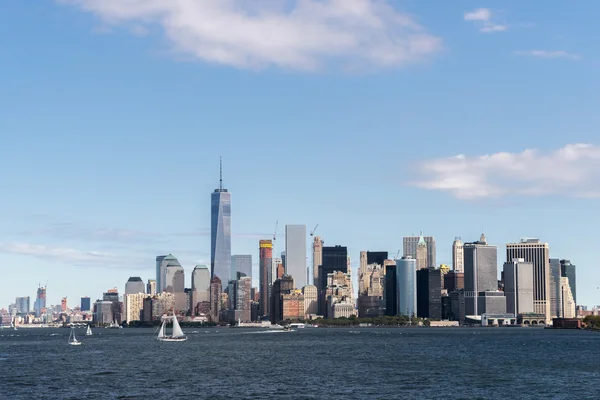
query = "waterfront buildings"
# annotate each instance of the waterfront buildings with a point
(295, 253)
(241, 263)
(537, 253)
(406, 276)
(265, 270)
(481, 272)
(491, 302)
(518, 286)
(410, 244)
(220, 232)
(458, 261)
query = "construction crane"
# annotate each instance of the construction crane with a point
(275, 234)
(314, 229)
(397, 254)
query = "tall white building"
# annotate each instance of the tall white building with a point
(295, 253)
(458, 258)
(200, 286)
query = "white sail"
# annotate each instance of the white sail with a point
(177, 332)
(161, 332)
(88, 332)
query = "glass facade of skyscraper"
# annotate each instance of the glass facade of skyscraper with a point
(406, 289)
(220, 235)
(295, 253)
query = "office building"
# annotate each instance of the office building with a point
(241, 263)
(86, 304)
(481, 272)
(555, 287)
(335, 258)
(220, 232)
(566, 300)
(265, 270)
(63, 304)
(200, 290)
(568, 270)
(454, 280)
(406, 276)
(243, 301)
(295, 253)
(175, 284)
(422, 253)
(518, 286)
(429, 293)
(216, 288)
(162, 263)
(491, 302)
(280, 287)
(135, 284)
(457, 306)
(537, 253)
(40, 302)
(151, 287)
(103, 312)
(292, 304)
(390, 292)
(317, 258)
(458, 261)
(134, 306)
(410, 244)
(22, 304)
(311, 296)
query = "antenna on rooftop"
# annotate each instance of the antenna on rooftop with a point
(221, 174)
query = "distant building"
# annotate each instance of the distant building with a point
(175, 284)
(481, 272)
(406, 276)
(422, 262)
(293, 305)
(457, 306)
(215, 298)
(200, 287)
(458, 260)
(410, 244)
(22, 304)
(569, 270)
(135, 285)
(317, 258)
(134, 306)
(265, 271)
(241, 263)
(390, 292)
(311, 297)
(162, 263)
(243, 301)
(104, 312)
(454, 280)
(86, 304)
(280, 287)
(162, 304)
(147, 309)
(491, 302)
(536, 252)
(566, 301)
(151, 287)
(63, 304)
(518, 286)
(295, 253)
(429, 293)
(40, 302)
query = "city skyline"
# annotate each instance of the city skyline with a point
(93, 199)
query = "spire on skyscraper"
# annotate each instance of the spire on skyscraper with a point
(421, 240)
(220, 174)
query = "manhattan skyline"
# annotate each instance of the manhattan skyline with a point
(113, 138)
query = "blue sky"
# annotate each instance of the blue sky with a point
(347, 114)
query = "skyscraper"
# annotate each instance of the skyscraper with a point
(538, 253)
(162, 262)
(422, 261)
(295, 253)
(429, 293)
(265, 270)
(40, 302)
(518, 286)
(151, 287)
(406, 287)
(568, 270)
(200, 287)
(555, 287)
(22, 304)
(410, 248)
(241, 263)
(175, 283)
(458, 258)
(215, 298)
(220, 232)
(86, 304)
(135, 285)
(481, 272)
(317, 258)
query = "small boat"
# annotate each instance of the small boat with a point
(177, 334)
(72, 339)
(88, 332)
(297, 325)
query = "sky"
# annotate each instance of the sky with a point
(373, 119)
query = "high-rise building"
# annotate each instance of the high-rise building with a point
(410, 244)
(458, 259)
(135, 284)
(565, 300)
(40, 302)
(311, 297)
(175, 283)
(335, 258)
(22, 304)
(481, 272)
(220, 232)
(518, 286)
(63, 304)
(295, 253)
(429, 293)
(151, 287)
(317, 259)
(216, 288)
(390, 292)
(241, 263)
(454, 280)
(103, 313)
(422, 253)
(86, 304)
(538, 253)
(134, 306)
(555, 287)
(568, 270)
(200, 288)
(406, 275)
(280, 287)
(265, 270)
(162, 262)
(243, 300)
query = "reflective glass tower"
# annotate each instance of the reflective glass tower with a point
(220, 232)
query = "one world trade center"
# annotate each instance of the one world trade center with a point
(220, 232)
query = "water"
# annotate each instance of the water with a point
(342, 363)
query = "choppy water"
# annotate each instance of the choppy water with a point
(318, 363)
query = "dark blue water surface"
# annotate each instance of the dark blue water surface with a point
(342, 363)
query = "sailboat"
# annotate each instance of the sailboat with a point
(72, 339)
(176, 336)
(88, 332)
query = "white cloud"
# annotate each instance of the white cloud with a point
(63, 254)
(292, 34)
(573, 170)
(549, 54)
(483, 19)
